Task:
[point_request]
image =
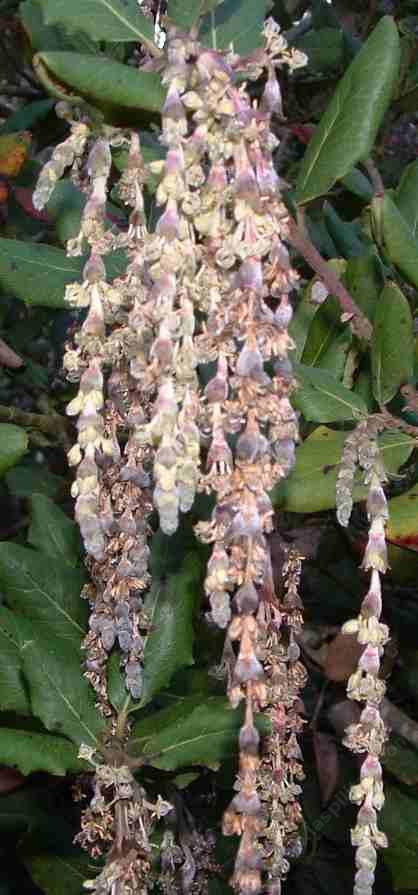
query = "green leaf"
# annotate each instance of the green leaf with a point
(25, 118)
(406, 197)
(322, 399)
(52, 532)
(60, 695)
(324, 48)
(110, 20)
(31, 752)
(169, 645)
(393, 346)
(23, 481)
(345, 234)
(348, 128)
(190, 733)
(13, 691)
(13, 444)
(398, 240)
(235, 22)
(399, 820)
(38, 274)
(328, 340)
(55, 874)
(186, 13)
(402, 527)
(401, 760)
(311, 485)
(357, 183)
(41, 590)
(48, 37)
(108, 84)
(364, 280)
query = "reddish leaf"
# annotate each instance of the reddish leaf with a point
(23, 196)
(14, 150)
(342, 657)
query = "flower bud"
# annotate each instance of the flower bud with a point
(271, 100)
(284, 313)
(246, 599)
(370, 660)
(94, 270)
(250, 275)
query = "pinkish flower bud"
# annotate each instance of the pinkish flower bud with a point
(174, 162)
(271, 100)
(250, 362)
(284, 313)
(100, 160)
(246, 599)
(217, 179)
(94, 270)
(285, 453)
(370, 660)
(246, 804)
(173, 107)
(377, 503)
(250, 275)
(371, 767)
(249, 739)
(168, 225)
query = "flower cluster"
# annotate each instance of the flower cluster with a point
(185, 378)
(119, 815)
(368, 736)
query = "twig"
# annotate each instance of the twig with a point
(16, 90)
(299, 238)
(8, 357)
(52, 424)
(375, 177)
(341, 714)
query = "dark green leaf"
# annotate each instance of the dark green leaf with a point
(393, 347)
(38, 274)
(13, 691)
(30, 752)
(51, 37)
(401, 760)
(348, 128)
(358, 184)
(23, 481)
(43, 591)
(186, 13)
(25, 118)
(324, 48)
(52, 532)
(311, 485)
(236, 22)
(13, 444)
(55, 874)
(399, 820)
(406, 197)
(169, 606)
(364, 280)
(108, 84)
(111, 20)
(398, 240)
(328, 340)
(60, 695)
(189, 733)
(322, 399)
(345, 234)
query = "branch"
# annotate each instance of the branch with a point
(344, 713)
(53, 424)
(299, 238)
